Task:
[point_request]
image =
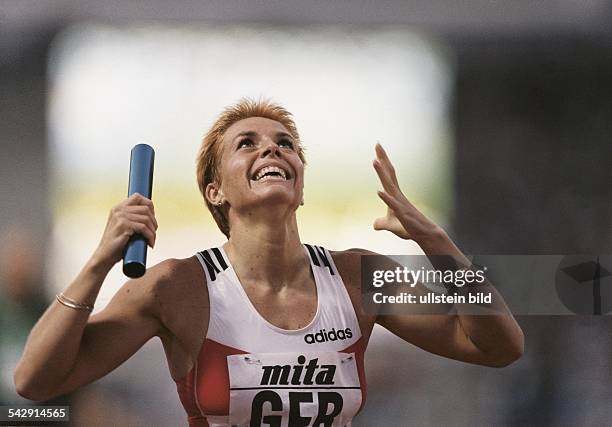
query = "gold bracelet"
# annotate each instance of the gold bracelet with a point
(64, 300)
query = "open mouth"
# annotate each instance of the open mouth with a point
(271, 173)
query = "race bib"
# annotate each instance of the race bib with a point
(293, 389)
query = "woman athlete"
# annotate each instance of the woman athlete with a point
(264, 330)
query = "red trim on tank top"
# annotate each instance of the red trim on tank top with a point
(212, 390)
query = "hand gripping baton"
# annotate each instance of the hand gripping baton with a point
(141, 181)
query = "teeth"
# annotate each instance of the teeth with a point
(269, 169)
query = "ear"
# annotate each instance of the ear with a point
(214, 194)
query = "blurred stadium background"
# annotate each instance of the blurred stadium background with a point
(497, 116)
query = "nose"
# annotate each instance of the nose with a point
(270, 148)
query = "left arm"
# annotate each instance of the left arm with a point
(491, 340)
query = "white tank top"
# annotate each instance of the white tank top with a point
(311, 376)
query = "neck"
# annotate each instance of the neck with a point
(267, 252)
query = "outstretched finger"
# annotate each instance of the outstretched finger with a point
(383, 176)
(390, 201)
(382, 156)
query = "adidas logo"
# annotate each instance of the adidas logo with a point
(324, 335)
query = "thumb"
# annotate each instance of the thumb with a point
(381, 224)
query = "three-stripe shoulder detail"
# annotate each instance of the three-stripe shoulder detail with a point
(214, 261)
(320, 257)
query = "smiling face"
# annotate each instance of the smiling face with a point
(259, 167)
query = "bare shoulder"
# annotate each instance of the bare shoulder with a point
(178, 284)
(176, 275)
(348, 263)
(172, 286)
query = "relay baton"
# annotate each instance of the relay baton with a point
(141, 181)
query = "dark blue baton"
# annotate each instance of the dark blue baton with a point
(141, 181)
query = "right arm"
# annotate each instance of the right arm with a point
(67, 347)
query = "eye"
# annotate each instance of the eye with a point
(285, 142)
(246, 142)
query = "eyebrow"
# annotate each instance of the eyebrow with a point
(284, 134)
(245, 133)
(253, 134)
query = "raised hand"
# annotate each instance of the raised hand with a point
(402, 219)
(133, 215)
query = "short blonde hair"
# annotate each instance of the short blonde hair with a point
(209, 155)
